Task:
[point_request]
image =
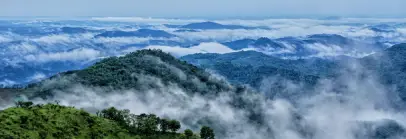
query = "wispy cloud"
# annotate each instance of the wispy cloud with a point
(82, 54)
(178, 51)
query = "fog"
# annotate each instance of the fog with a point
(352, 106)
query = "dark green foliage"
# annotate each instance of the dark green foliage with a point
(56, 121)
(188, 133)
(206, 133)
(22, 104)
(265, 73)
(174, 125)
(249, 67)
(140, 70)
(164, 125)
(125, 72)
(147, 124)
(119, 116)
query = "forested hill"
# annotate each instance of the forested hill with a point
(56, 121)
(141, 70)
(250, 67)
(390, 67)
(146, 71)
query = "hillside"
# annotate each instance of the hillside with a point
(56, 121)
(390, 67)
(137, 76)
(250, 67)
(141, 70)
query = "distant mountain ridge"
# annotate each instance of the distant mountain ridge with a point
(208, 25)
(138, 33)
(252, 68)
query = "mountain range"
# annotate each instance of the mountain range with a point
(189, 79)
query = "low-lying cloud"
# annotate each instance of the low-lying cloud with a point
(209, 47)
(337, 109)
(83, 54)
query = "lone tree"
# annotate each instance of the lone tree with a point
(174, 125)
(188, 133)
(206, 133)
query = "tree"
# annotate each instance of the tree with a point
(188, 133)
(147, 124)
(206, 133)
(22, 104)
(174, 125)
(152, 123)
(164, 125)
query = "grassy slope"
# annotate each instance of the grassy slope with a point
(55, 121)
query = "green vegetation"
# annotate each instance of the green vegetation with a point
(27, 120)
(140, 70)
(252, 68)
(206, 133)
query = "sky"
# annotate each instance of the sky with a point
(204, 8)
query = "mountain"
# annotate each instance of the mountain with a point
(250, 67)
(389, 65)
(239, 44)
(213, 25)
(257, 59)
(73, 30)
(264, 43)
(139, 33)
(317, 45)
(186, 30)
(261, 43)
(329, 39)
(144, 72)
(139, 70)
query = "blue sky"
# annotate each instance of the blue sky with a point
(204, 8)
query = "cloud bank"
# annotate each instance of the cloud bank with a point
(353, 106)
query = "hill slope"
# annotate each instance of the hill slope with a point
(56, 121)
(250, 67)
(141, 70)
(390, 67)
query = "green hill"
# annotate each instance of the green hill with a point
(141, 70)
(256, 69)
(55, 121)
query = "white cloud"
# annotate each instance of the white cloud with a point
(63, 38)
(7, 82)
(37, 77)
(80, 54)
(23, 48)
(4, 39)
(201, 48)
(327, 112)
